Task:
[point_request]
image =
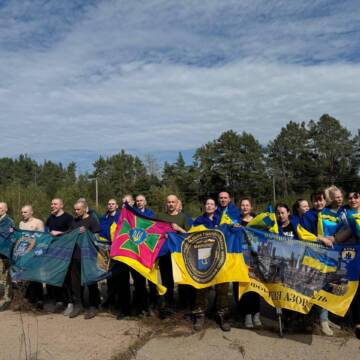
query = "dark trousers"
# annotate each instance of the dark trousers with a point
(75, 291)
(34, 292)
(55, 293)
(167, 278)
(355, 307)
(249, 302)
(187, 296)
(153, 294)
(118, 287)
(73, 282)
(140, 296)
(221, 299)
(94, 295)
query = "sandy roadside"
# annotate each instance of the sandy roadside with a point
(53, 336)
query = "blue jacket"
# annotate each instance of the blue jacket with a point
(147, 212)
(206, 221)
(105, 224)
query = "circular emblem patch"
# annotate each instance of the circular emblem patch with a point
(204, 254)
(24, 245)
(137, 235)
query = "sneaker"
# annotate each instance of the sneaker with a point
(76, 311)
(199, 322)
(223, 323)
(39, 305)
(90, 313)
(248, 321)
(325, 328)
(59, 307)
(69, 309)
(256, 320)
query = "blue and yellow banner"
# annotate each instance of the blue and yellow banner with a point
(295, 275)
(208, 257)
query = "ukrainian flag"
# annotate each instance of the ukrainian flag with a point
(328, 223)
(213, 266)
(319, 261)
(229, 216)
(265, 221)
(301, 232)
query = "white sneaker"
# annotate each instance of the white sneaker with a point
(248, 321)
(69, 309)
(256, 320)
(325, 328)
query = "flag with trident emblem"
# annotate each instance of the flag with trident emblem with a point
(137, 242)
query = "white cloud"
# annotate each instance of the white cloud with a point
(163, 75)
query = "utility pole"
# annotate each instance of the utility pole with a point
(274, 190)
(96, 193)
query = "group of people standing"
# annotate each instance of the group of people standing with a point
(328, 221)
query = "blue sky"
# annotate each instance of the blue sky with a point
(160, 75)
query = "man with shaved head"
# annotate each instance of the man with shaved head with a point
(57, 223)
(180, 224)
(82, 221)
(140, 206)
(6, 227)
(34, 291)
(28, 222)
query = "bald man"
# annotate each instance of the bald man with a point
(28, 221)
(34, 291)
(180, 224)
(140, 206)
(57, 223)
(6, 227)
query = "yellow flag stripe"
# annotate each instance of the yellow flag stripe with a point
(233, 270)
(318, 265)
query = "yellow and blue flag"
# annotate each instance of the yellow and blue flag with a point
(208, 257)
(265, 221)
(318, 261)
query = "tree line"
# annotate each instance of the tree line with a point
(304, 156)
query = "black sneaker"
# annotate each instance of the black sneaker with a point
(199, 322)
(76, 311)
(223, 323)
(90, 313)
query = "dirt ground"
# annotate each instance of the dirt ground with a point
(26, 335)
